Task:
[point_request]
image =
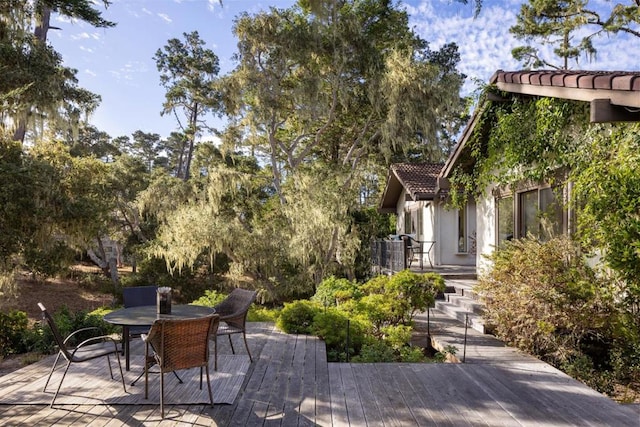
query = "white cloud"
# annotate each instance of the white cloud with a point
(90, 72)
(484, 42)
(165, 17)
(147, 11)
(85, 35)
(86, 49)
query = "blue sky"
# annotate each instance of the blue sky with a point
(117, 63)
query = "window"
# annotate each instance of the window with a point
(538, 213)
(504, 219)
(462, 230)
(528, 210)
(407, 222)
(551, 213)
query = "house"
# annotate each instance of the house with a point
(504, 213)
(448, 235)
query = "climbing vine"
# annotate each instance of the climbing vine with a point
(519, 140)
(528, 139)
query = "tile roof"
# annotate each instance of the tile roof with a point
(610, 80)
(620, 88)
(419, 179)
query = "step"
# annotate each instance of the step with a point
(469, 304)
(459, 313)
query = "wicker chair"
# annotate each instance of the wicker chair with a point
(233, 317)
(88, 349)
(179, 344)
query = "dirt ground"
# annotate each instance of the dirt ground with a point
(53, 293)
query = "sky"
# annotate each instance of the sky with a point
(117, 63)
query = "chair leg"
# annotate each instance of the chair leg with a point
(162, 394)
(231, 344)
(121, 373)
(146, 371)
(53, 368)
(60, 385)
(244, 335)
(215, 353)
(109, 363)
(208, 384)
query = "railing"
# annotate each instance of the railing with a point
(388, 256)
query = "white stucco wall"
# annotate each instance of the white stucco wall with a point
(486, 229)
(440, 225)
(447, 236)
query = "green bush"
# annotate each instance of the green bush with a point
(210, 298)
(48, 262)
(297, 317)
(331, 326)
(394, 300)
(256, 314)
(332, 291)
(375, 351)
(545, 299)
(14, 328)
(380, 313)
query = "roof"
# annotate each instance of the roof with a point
(613, 95)
(620, 87)
(418, 179)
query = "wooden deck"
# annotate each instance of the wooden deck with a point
(290, 383)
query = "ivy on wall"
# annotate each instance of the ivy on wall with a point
(530, 139)
(517, 140)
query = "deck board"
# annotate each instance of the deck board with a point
(290, 383)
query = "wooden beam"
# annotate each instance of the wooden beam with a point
(603, 111)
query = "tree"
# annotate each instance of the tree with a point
(343, 90)
(146, 147)
(188, 71)
(570, 26)
(37, 84)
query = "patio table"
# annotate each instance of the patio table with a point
(145, 315)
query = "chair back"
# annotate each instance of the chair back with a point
(234, 309)
(46, 317)
(136, 296)
(182, 343)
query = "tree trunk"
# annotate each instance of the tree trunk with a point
(193, 121)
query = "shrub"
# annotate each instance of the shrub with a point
(13, 330)
(375, 351)
(210, 298)
(332, 290)
(543, 298)
(331, 326)
(297, 317)
(394, 300)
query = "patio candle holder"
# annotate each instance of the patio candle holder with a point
(164, 300)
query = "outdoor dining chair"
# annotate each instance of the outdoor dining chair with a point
(179, 344)
(89, 349)
(233, 312)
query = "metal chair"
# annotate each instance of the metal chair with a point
(88, 349)
(136, 296)
(417, 248)
(179, 344)
(233, 312)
